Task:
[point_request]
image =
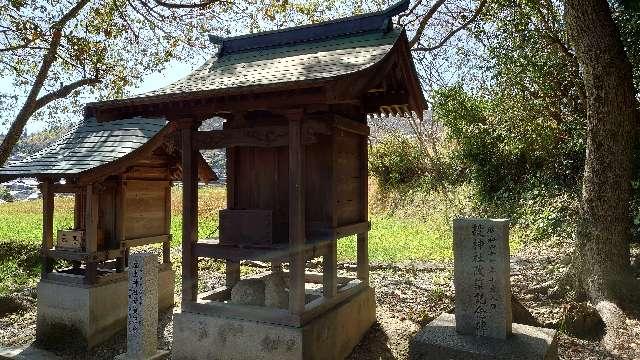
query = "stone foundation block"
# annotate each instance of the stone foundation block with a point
(72, 314)
(439, 340)
(332, 335)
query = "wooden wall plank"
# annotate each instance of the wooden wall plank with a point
(146, 208)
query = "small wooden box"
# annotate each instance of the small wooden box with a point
(246, 227)
(71, 240)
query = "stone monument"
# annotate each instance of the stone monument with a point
(482, 325)
(142, 319)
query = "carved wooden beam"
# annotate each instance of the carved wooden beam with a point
(259, 136)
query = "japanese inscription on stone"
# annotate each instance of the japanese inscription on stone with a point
(142, 322)
(482, 283)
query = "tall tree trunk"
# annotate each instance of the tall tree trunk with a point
(33, 103)
(604, 229)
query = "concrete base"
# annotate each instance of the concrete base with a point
(28, 352)
(160, 354)
(439, 340)
(332, 335)
(86, 315)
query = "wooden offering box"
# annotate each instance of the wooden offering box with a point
(70, 240)
(246, 227)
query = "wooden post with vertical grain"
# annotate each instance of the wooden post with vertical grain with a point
(91, 231)
(296, 214)
(363, 238)
(47, 225)
(189, 211)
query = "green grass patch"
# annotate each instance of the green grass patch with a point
(411, 231)
(394, 239)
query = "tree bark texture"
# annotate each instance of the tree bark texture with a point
(604, 231)
(604, 228)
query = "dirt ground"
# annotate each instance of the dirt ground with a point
(408, 296)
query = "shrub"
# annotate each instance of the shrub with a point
(396, 161)
(5, 195)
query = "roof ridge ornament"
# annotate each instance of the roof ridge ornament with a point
(370, 22)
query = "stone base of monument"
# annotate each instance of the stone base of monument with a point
(75, 314)
(439, 340)
(160, 354)
(332, 335)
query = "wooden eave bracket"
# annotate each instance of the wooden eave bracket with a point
(353, 88)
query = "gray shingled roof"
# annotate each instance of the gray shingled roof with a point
(307, 61)
(87, 146)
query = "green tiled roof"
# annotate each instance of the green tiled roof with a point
(87, 146)
(306, 61)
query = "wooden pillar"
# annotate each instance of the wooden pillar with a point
(166, 246)
(78, 213)
(330, 271)
(47, 225)
(189, 212)
(330, 258)
(232, 273)
(363, 257)
(276, 266)
(363, 238)
(91, 231)
(78, 218)
(232, 268)
(296, 214)
(119, 222)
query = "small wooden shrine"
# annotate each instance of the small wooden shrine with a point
(296, 103)
(120, 174)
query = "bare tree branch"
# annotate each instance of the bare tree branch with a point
(553, 39)
(424, 21)
(29, 106)
(64, 91)
(18, 47)
(456, 30)
(410, 12)
(72, 13)
(200, 5)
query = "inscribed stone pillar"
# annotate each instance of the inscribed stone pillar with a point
(142, 321)
(481, 277)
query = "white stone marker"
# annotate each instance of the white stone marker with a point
(482, 277)
(142, 320)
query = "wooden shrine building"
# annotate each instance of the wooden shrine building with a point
(120, 174)
(295, 103)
